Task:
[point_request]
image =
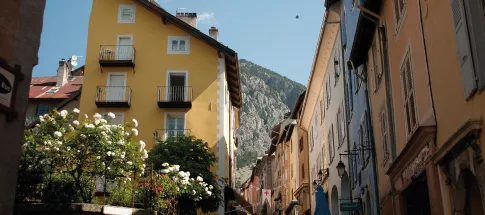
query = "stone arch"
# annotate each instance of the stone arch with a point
(466, 194)
(345, 189)
(335, 201)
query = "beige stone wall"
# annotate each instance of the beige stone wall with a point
(21, 24)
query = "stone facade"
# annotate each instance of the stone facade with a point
(21, 23)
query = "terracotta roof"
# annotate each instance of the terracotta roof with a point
(40, 85)
(230, 56)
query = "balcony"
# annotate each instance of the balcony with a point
(163, 134)
(174, 97)
(117, 56)
(113, 96)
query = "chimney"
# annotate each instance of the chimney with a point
(213, 32)
(189, 18)
(62, 73)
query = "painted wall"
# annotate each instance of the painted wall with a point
(208, 119)
(361, 168)
(452, 109)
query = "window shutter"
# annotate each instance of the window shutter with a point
(463, 48)
(476, 25)
(126, 14)
(370, 64)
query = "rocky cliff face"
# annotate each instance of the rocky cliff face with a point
(267, 96)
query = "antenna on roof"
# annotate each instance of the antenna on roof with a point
(73, 60)
(181, 8)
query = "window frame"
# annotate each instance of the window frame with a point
(384, 135)
(407, 57)
(43, 105)
(178, 38)
(331, 145)
(165, 121)
(104, 114)
(120, 13)
(398, 21)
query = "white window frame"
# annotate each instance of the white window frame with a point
(121, 113)
(165, 121)
(172, 38)
(167, 80)
(124, 6)
(115, 73)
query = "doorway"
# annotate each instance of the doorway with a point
(115, 92)
(177, 82)
(416, 196)
(124, 48)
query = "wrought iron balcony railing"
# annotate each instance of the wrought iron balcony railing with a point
(163, 134)
(174, 97)
(117, 55)
(113, 96)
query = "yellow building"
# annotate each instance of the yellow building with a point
(144, 63)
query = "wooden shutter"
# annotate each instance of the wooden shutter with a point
(463, 48)
(476, 26)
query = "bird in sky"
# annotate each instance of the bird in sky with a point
(297, 17)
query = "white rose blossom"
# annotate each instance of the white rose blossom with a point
(135, 123)
(164, 171)
(200, 179)
(165, 164)
(97, 116)
(111, 115)
(142, 145)
(129, 163)
(108, 153)
(98, 157)
(97, 121)
(103, 121)
(210, 187)
(57, 134)
(86, 116)
(75, 110)
(208, 192)
(134, 131)
(63, 113)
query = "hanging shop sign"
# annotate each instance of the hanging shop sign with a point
(9, 78)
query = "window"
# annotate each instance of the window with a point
(336, 66)
(375, 62)
(350, 91)
(291, 171)
(399, 9)
(119, 118)
(354, 165)
(301, 144)
(322, 110)
(339, 131)
(331, 146)
(178, 45)
(52, 90)
(42, 109)
(360, 144)
(302, 171)
(311, 139)
(126, 13)
(385, 142)
(327, 91)
(469, 23)
(343, 27)
(174, 124)
(407, 82)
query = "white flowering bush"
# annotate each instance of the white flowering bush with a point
(83, 150)
(169, 185)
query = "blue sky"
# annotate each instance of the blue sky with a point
(262, 31)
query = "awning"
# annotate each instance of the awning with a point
(230, 194)
(321, 207)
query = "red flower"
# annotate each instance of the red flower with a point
(147, 184)
(162, 175)
(168, 201)
(154, 190)
(159, 188)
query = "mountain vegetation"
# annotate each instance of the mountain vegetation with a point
(267, 96)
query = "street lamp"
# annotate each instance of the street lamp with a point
(340, 169)
(320, 175)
